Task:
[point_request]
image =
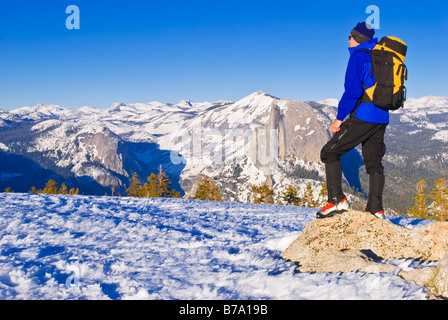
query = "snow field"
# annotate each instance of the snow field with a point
(85, 247)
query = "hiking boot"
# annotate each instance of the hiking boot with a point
(379, 214)
(330, 209)
(344, 205)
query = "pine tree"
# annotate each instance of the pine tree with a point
(134, 189)
(51, 187)
(440, 197)
(159, 186)
(151, 189)
(33, 190)
(63, 189)
(8, 190)
(291, 196)
(263, 194)
(419, 210)
(73, 191)
(308, 197)
(207, 190)
(323, 195)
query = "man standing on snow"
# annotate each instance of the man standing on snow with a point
(365, 125)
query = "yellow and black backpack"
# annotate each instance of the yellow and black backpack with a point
(388, 92)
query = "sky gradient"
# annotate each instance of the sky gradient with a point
(141, 51)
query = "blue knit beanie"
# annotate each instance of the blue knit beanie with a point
(362, 32)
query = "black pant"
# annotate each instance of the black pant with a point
(353, 132)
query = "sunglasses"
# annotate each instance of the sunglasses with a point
(349, 37)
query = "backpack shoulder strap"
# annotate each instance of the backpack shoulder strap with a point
(371, 52)
(364, 86)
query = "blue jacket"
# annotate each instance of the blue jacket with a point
(358, 71)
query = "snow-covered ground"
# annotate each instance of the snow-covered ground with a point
(84, 247)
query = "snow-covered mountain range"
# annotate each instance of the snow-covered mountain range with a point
(258, 139)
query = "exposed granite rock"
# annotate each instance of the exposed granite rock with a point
(332, 260)
(355, 240)
(110, 150)
(293, 129)
(363, 231)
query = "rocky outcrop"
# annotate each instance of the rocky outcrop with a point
(360, 230)
(108, 153)
(109, 150)
(356, 241)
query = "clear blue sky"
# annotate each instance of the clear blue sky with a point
(165, 50)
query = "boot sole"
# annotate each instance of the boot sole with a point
(329, 215)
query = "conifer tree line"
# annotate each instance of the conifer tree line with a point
(437, 207)
(158, 185)
(51, 187)
(265, 194)
(433, 205)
